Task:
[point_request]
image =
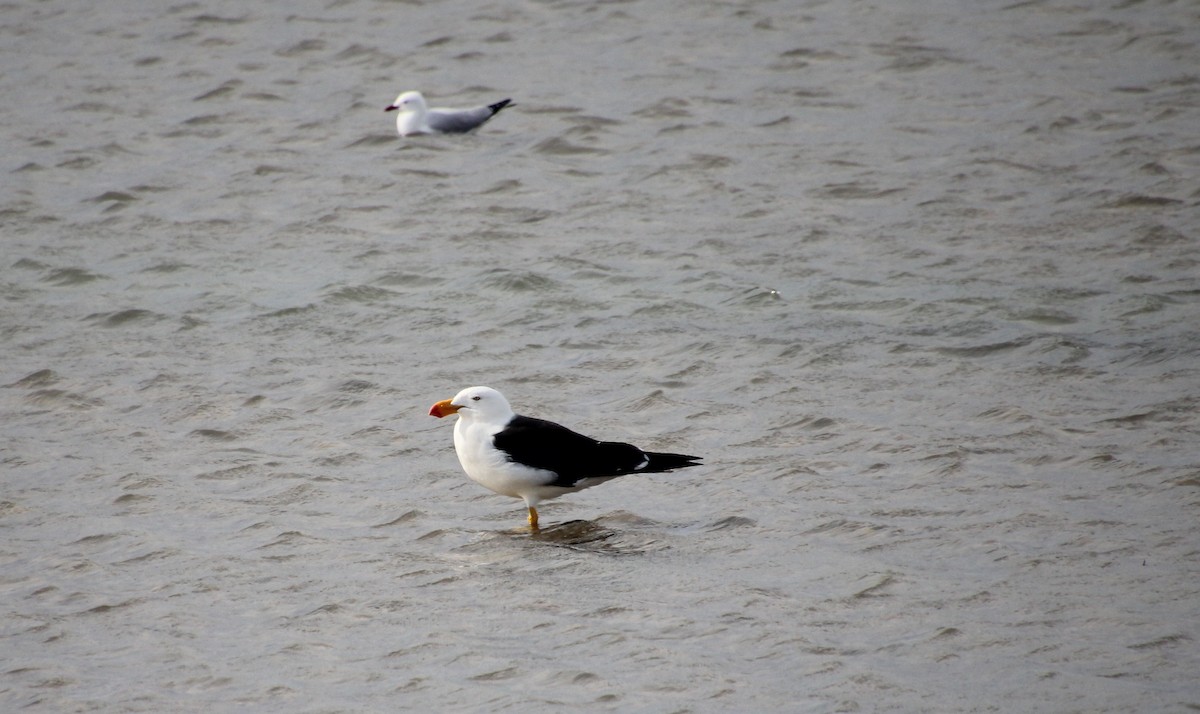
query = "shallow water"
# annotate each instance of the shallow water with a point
(918, 279)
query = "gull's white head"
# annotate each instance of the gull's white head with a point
(408, 102)
(481, 403)
(411, 113)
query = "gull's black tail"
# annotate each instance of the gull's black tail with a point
(500, 105)
(669, 462)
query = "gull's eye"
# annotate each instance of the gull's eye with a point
(476, 398)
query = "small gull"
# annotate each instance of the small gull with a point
(415, 117)
(534, 459)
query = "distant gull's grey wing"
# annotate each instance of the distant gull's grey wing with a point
(459, 121)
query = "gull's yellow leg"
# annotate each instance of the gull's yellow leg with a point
(533, 523)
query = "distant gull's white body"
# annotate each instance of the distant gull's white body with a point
(415, 117)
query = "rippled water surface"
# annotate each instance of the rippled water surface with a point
(920, 281)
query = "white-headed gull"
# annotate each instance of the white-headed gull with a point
(534, 459)
(415, 117)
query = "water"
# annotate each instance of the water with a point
(918, 279)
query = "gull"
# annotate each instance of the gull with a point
(534, 459)
(415, 117)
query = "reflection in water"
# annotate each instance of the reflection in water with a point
(580, 535)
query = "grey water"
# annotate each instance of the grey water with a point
(920, 281)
